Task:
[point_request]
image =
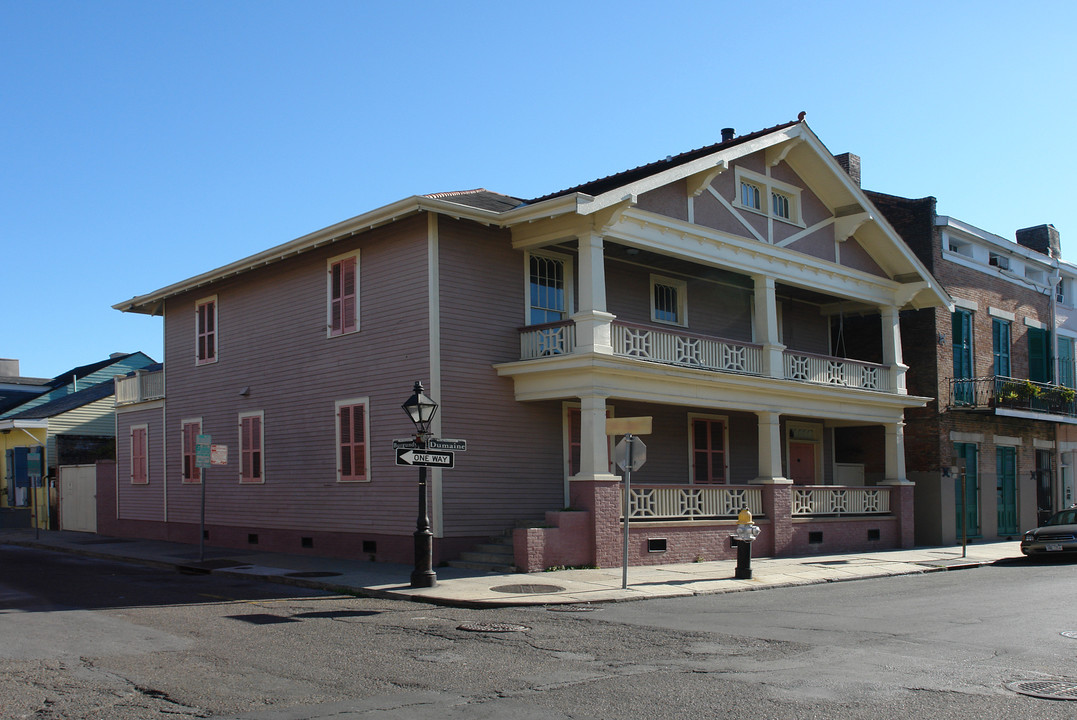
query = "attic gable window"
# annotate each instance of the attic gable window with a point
(766, 196)
(343, 294)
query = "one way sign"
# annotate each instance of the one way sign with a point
(424, 458)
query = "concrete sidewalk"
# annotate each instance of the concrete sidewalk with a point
(469, 588)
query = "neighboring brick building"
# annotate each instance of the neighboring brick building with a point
(991, 363)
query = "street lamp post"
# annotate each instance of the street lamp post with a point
(421, 410)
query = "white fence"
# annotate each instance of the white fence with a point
(140, 387)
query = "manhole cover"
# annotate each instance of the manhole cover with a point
(1069, 634)
(528, 589)
(572, 608)
(313, 574)
(493, 627)
(1047, 689)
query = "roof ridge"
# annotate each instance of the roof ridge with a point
(453, 193)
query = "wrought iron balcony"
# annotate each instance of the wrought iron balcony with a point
(1007, 393)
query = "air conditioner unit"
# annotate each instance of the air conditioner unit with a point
(1002, 263)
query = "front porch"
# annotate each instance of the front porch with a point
(678, 524)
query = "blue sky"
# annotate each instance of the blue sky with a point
(145, 142)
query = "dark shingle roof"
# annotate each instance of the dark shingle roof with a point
(84, 370)
(67, 402)
(597, 187)
(480, 198)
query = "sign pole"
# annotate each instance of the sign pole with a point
(202, 519)
(630, 441)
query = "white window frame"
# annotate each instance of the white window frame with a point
(724, 419)
(569, 278)
(365, 402)
(260, 414)
(767, 187)
(216, 330)
(145, 453)
(329, 294)
(681, 287)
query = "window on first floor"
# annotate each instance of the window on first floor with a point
(352, 440)
(251, 457)
(709, 450)
(191, 430)
(139, 455)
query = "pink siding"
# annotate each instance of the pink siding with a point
(513, 465)
(670, 200)
(284, 306)
(805, 328)
(855, 256)
(819, 244)
(141, 501)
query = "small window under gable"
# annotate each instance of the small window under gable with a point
(767, 196)
(343, 294)
(750, 195)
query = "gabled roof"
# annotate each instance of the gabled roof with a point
(85, 370)
(66, 403)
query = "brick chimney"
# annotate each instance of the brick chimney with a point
(1043, 239)
(850, 163)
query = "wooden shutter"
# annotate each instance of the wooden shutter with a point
(342, 301)
(251, 449)
(352, 442)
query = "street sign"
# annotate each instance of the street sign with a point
(201, 450)
(420, 458)
(446, 444)
(432, 444)
(639, 453)
(218, 454)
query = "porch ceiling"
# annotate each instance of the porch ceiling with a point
(588, 374)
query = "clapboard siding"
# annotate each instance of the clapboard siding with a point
(273, 340)
(140, 502)
(512, 468)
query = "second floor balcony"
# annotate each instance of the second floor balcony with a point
(1013, 396)
(140, 386)
(683, 349)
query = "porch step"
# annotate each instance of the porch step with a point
(495, 555)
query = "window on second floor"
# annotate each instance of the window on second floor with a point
(962, 343)
(343, 294)
(548, 289)
(1066, 374)
(668, 300)
(206, 331)
(1000, 346)
(1039, 355)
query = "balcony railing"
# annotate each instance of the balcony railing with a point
(1008, 393)
(826, 370)
(670, 347)
(679, 348)
(692, 502)
(140, 387)
(834, 500)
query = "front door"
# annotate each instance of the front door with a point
(1006, 474)
(1045, 503)
(802, 463)
(967, 505)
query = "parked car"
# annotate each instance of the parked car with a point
(1057, 535)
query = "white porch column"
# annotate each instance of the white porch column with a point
(895, 454)
(770, 450)
(594, 444)
(891, 325)
(766, 326)
(593, 330)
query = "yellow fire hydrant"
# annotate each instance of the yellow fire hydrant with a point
(746, 532)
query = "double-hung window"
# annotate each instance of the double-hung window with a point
(708, 450)
(343, 294)
(139, 455)
(352, 440)
(251, 457)
(206, 331)
(548, 290)
(191, 430)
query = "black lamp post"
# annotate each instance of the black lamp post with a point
(421, 410)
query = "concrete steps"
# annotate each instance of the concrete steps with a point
(495, 555)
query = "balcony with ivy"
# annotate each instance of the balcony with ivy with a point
(1014, 396)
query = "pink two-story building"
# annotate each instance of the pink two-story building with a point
(708, 291)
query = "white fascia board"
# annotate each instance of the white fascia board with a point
(973, 233)
(588, 205)
(150, 303)
(14, 424)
